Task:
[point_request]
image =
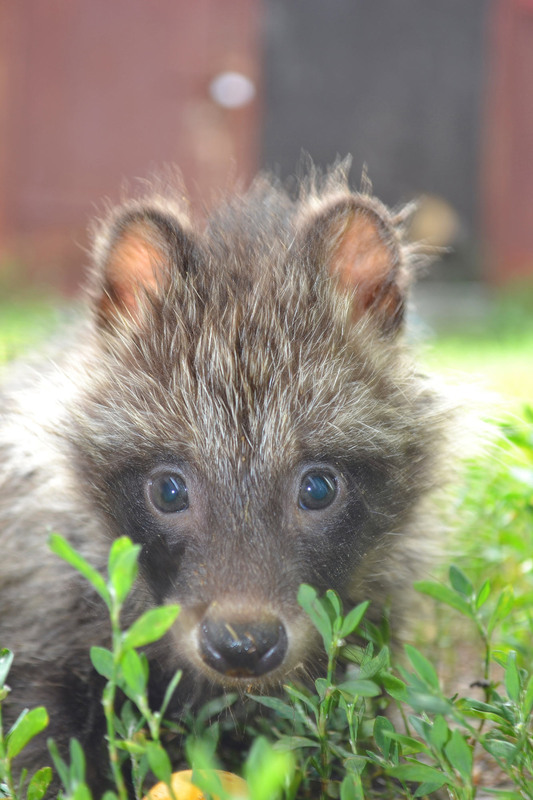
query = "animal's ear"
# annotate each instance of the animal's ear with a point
(358, 239)
(136, 254)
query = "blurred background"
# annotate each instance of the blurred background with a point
(433, 99)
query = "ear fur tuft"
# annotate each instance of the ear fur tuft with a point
(357, 237)
(133, 254)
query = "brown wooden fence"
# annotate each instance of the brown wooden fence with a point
(93, 93)
(507, 190)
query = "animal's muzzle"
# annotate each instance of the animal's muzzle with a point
(243, 649)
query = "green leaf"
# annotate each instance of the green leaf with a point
(352, 619)
(306, 594)
(120, 547)
(359, 688)
(266, 770)
(480, 710)
(378, 635)
(353, 652)
(39, 784)
(171, 688)
(123, 566)
(445, 595)
(77, 762)
(151, 626)
(409, 745)
(207, 780)
(131, 746)
(423, 667)
(460, 582)
(415, 771)
(6, 659)
(483, 594)
(429, 787)
(63, 549)
(159, 762)
(439, 733)
(512, 678)
(294, 743)
(59, 764)
(312, 605)
(81, 792)
(351, 788)
(373, 666)
(395, 687)
(428, 703)
(421, 726)
(310, 701)
(501, 750)
(334, 602)
(503, 608)
(459, 754)
(382, 727)
(284, 710)
(322, 686)
(135, 673)
(355, 764)
(130, 721)
(102, 661)
(28, 725)
(201, 752)
(212, 708)
(528, 698)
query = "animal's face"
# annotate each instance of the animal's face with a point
(233, 553)
(250, 421)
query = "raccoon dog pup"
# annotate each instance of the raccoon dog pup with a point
(240, 400)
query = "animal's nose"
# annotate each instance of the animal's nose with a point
(243, 649)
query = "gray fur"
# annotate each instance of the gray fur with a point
(245, 362)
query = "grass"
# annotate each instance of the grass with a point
(499, 353)
(382, 726)
(502, 366)
(24, 323)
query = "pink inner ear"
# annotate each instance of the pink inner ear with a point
(132, 266)
(365, 262)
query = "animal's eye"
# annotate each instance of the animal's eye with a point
(169, 493)
(317, 490)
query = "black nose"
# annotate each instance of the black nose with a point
(243, 649)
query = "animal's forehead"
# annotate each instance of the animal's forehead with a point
(232, 334)
(239, 362)
(246, 409)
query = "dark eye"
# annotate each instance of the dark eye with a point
(318, 490)
(169, 493)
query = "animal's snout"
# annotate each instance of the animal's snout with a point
(242, 648)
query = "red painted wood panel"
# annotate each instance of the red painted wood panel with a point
(508, 153)
(94, 92)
